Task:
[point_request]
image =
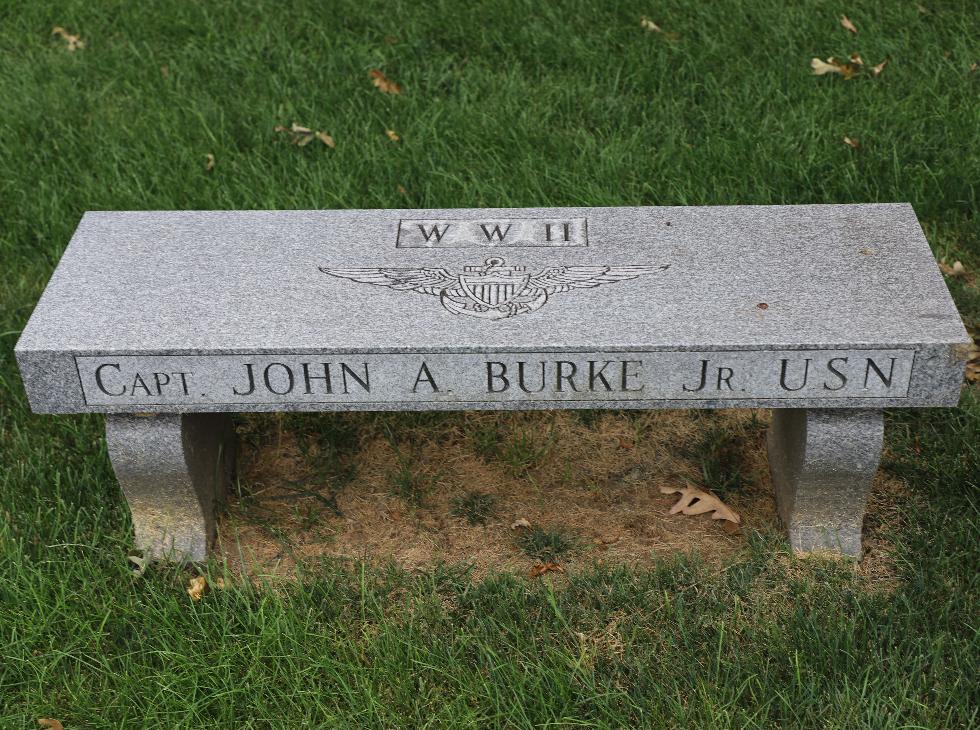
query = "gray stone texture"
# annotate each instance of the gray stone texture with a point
(822, 464)
(754, 279)
(174, 471)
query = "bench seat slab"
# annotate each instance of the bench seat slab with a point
(822, 464)
(173, 470)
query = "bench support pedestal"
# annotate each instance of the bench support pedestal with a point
(174, 470)
(822, 464)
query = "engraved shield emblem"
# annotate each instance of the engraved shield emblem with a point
(493, 290)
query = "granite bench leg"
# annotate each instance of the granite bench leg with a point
(173, 470)
(822, 464)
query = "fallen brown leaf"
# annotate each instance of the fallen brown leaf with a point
(648, 24)
(847, 24)
(383, 83)
(822, 67)
(832, 66)
(866, 252)
(49, 723)
(876, 70)
(851, 142)
(302, 136)
(402, 190)
(972, 373)
(625, 444)
(694, 501)
(196, 586)
(973, 67)
(74, 42)
(520, 523)
(139, 563)
(856, 58)
(393, 135)
(540, 569)
(957, 269)
(295, 131)
(209, 161)
(731, 528)
(165, 71)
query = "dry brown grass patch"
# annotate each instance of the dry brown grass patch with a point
(594, 476)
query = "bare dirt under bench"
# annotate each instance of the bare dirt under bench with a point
(592, 477)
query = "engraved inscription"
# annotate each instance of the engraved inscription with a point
(491, 232)
(353, 381)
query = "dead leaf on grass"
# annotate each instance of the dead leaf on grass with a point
(856, 58)
(822, 67)
(165, 71)
(49, 723)
(876, 70)
(972, 373)
(731, 528)
(649, 25)
(209, 161)
(972, 354)
(847, 24)
(384, 84)
(694, 501)
(851, 142)
(139, 563)
(302, 136)
(832, 66)
(520, 523)
(956, 270)
(973, 67)
(392, 135)
(196, 586)
(75, 43)
(540, 569)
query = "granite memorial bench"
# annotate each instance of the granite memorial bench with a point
(169, 321)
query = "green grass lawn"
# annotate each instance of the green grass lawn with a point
(505, 102)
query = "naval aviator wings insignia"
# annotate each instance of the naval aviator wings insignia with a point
(493, 291)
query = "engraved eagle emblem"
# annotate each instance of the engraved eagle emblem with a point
(494, 290)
